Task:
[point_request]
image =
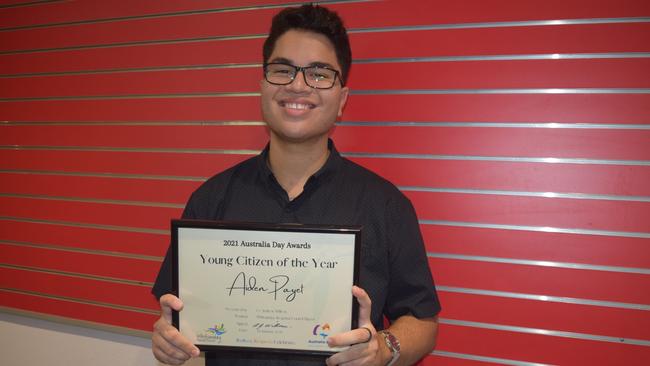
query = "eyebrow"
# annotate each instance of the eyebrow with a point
(316, 63)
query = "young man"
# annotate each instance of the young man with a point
(301, 178)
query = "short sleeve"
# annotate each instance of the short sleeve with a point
(163, 284)
(411, 287)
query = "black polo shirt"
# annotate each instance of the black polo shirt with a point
(394, 267)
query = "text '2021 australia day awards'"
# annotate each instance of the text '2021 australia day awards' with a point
(264, 287)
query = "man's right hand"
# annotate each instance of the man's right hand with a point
(168, 344)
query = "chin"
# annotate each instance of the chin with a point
(296, 138)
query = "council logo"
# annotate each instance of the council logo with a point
(211, 335)
(217, 330)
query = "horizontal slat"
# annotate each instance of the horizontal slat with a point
(407, 139)
(11, 3)
(17, 3)
(597, 73)
(85, 238)
(79, 311)
(518, 176)
(503, 41)
(541, 246)
(63, 11)
(559, 108)
(441, 360)
(609, 38)
(614, 73)
(104, 292)
(89, 213)
(416, 12)
(130, 83)
(538, 348)
(225, 137)
(81, 263)
(621, 180)
(158, 109)
(611, 322)
(141, 190)
(549, 281)
(213, 52)
(178, 164)
(357, 15)
(533, 211)
(607, 144)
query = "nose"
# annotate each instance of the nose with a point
(299, 84)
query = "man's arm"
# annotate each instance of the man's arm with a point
(417, 338)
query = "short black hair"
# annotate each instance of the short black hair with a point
(317, 19)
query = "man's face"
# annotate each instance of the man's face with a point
(297, 112)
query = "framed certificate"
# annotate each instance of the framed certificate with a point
(264, 287)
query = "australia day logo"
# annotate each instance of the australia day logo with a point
(322, 331)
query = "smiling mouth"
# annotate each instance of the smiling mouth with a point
(300, 106)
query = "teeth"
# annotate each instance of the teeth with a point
(297, 105)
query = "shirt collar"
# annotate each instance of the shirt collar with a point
(331, 165)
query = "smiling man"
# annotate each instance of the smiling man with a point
(301, 178)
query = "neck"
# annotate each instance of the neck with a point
(293, 163)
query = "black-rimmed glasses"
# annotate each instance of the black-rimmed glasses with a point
(317, 77)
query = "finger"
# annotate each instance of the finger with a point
(365, 305)
(369, 334)
(355, 336)
(176, 339)
(167, 360)
(171, 341)
(357, 354)
(168, 354)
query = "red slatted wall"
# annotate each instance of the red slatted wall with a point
(519, 129)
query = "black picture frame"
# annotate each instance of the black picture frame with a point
(180, 246)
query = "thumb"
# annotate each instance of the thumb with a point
(169, 302)
(365, 306)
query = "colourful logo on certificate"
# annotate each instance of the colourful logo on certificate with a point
(321, 330)
(217, 330)
(211, 335)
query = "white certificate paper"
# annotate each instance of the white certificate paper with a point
(257, 287)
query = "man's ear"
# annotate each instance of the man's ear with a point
(343, 99)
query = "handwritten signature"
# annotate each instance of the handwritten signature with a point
(269, 325)
(277, 287)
